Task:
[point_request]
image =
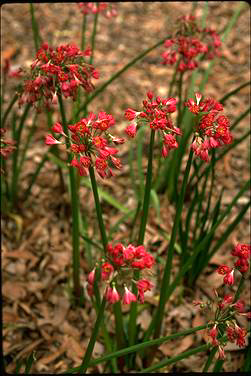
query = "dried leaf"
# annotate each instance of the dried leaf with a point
(13, 290)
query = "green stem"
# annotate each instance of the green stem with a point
(121, 71)
(119, 331)
(84, 24)
(239, 289)
(146, 202)
(175, 359)
(93, 338)
(105, 333)
(36, 36)
(75, 208)
(94, 32)
(209, 360)
(180, 98)
(173, 79)
(98, 208)
(34, 177)
(168, 267)
(76, 105)
(137, 211)
(15, 174)
(140, 346)
(117, 307)
(225, 97)
(14, 99)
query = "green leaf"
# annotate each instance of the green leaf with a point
(234, 91)
(155, 203)
(29, 361)
(140, 144)
(138, 347)
(132, 175)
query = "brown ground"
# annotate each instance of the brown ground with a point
(36, 246)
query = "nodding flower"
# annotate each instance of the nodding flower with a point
(112, 295)
(128, 296)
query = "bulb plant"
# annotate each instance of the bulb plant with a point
(125, 271)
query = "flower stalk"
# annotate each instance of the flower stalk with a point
(93, 338)
(98, 208)
(75, 210)
(146, 202)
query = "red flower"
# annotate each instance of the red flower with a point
(112, 295)
(130, 114)
(239, 305)
(57, 128)
(223, 269)
(106, 270)
(131, 130)
(50, 140)
(128, 296)
(229, 278)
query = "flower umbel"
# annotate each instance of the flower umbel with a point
(225, 309)
(59, 70)
(189, 43)
(117, 272)
(156, 114)
(90, 139)
(212, 130)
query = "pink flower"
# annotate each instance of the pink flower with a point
(241, 334)
(221, 353)
(112, 295)
(170, 141)
(131, 130)
(239, 305)
(106, 270)
(229, 278)
(164, 151)
(223, 269)
(85, 161)
(198, 97)
(143, 285)
(129, 252)
(91, 276)
(213, 332)
(57, 128)
(90, 289)
(50, 140)
(140, 251)
(128, 297)
(130, 114)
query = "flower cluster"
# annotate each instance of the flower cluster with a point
(224, 309)
(108, 9)
(190, 42)
(116, 272)
(57, 71)
(242, 251)
(212, 129)
(156, 114)
(6, 145)
(89, 139)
